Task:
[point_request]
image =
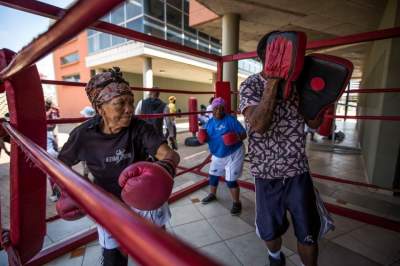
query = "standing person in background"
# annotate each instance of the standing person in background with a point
(224, 135)
(172, 110)
(153, 105)
(52, 112)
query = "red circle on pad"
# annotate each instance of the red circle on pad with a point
(317, 84)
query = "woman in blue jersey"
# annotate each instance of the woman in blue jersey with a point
(224, 135)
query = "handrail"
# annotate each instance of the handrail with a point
(337, 41)
(148, 244)
(46, 10)
(147, 116)
(83, 84)
(81, 15)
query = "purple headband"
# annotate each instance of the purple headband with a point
(217, 102)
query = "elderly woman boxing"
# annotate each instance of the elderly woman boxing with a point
(114, 140)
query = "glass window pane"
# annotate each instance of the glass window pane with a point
(71, 58)
(154, 8)
(74, 77)
(218, 42)
(174, 35)
(203, 35)
(203, 45)
(118, 15)
(106, 18)
(91, 32)
(136, 24)
(191, 40)
(215, 50)
(105, 41)
(186, 6)
(117, 40)
(91, 43)
(175, 3)
(186, 25)
(174, 17)
(154, 28)
(133, 10)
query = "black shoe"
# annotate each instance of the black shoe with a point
(211, 197)
(277, 262)
(114, 257)
(236, 208)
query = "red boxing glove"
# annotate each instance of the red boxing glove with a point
(230, 138)
(145, 185)
(68, 209)
(202, 135)
(284, 57)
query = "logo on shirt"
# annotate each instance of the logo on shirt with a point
(220, 127)
(119, 156)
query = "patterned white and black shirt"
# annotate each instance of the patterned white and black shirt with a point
(280, 151)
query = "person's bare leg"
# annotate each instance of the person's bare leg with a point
(213, 190)
(308, 254)
(274, 245)
(235, 192)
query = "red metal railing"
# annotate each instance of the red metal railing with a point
(337, 41)
(76, 19)
(82, 84)
(148, 244)
(46, 10)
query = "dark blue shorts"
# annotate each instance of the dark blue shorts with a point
(274, 198)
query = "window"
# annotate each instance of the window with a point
(203, 45)
(104, 41)
(154, 28)
(74, 78)
(154, 8)
(174, 35)
(106, 18)
(186, 25)
(91, 32)
(136, 24)
(203, 35)
(117, 40)
(186, 6)
(71, 58)
(190, 40)
(133, 9)
(215, 50)
(118, 15)
(175, 3)
(174, 17)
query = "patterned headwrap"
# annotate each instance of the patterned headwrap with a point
(217, 102)
(105, 86)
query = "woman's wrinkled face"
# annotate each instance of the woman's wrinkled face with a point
(218, 112)
(117, 112)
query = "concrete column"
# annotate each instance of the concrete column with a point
(230, 45)
(147, 75)
(214, 80)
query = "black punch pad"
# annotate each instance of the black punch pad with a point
(322, 81)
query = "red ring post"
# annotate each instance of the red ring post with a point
(27, 184)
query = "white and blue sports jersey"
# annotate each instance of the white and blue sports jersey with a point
(216, 129)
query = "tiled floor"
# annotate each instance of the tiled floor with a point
(233, 241)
